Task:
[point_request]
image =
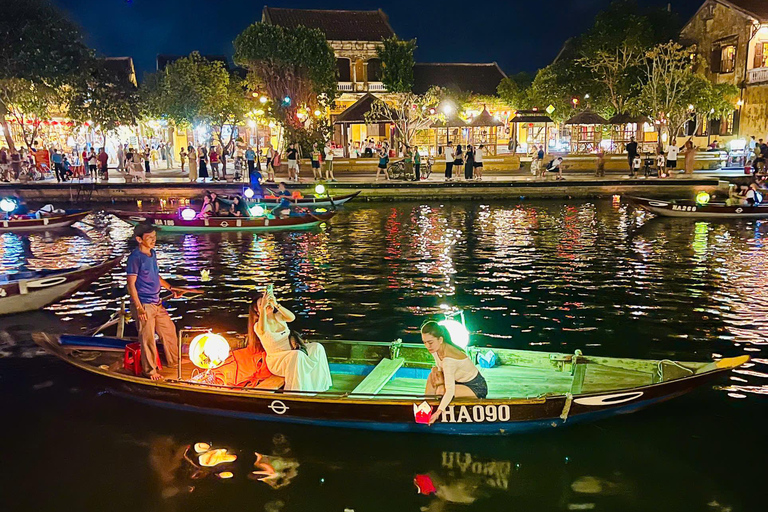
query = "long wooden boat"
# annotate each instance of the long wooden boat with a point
(172, 221)
(33, 290)
(380, 386)
(314, 202)
(691, 209)
(30, 223)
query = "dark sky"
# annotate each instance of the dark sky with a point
(519, 35)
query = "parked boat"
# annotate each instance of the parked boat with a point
(172, 221)
(692, 209)
(32, 223)
(314, 202)
(33, 290)
(380, 386)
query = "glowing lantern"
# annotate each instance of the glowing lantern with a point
(318, 113)
(208, 351)
(248, 193)
(256, 210)
(205, 275)
(459, 333)
(188, 214)
(320, 189)
(7, 204)
(263, 99)
(702, 198)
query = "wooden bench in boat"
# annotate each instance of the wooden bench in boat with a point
(378, 378)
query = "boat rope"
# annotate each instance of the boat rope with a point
(673, 363)
(567, 406)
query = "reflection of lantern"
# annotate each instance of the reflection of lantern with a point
(208, 351)
(188, 214)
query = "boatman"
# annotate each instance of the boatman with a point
(144, 284)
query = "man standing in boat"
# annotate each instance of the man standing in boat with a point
(144, 285)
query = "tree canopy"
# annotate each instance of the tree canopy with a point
(397, 63)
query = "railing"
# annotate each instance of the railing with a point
(376, 87)
(757, 75)
(346, 86)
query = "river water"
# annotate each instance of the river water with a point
(536, 275)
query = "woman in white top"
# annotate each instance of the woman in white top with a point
(453, 374)
(305, 367)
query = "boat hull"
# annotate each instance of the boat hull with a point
(34, 293)
(690, 209)
(46, 223)
(171, 222)
(314, 202)
(393, 413)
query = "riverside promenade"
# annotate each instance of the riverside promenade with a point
(172, 184)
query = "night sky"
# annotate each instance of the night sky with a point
(519, 35)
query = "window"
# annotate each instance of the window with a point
(727, 58)
(344, 70)
(761, 55)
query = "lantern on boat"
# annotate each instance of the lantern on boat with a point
(457, 330)
(208, 351)
(702, 198)
(248, 193)
(7, 204)
(188, 214)
(320, 189)
(256, 210)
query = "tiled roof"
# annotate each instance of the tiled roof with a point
(356, 112)
(337, 25)
(475, 78)
(757, 8)
(121, 67)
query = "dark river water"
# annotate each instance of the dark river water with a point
(536, 275)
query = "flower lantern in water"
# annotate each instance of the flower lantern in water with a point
(188, 214)
(208, 351)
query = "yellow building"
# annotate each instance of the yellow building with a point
(733, 37)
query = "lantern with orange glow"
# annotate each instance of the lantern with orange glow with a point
(208, 351)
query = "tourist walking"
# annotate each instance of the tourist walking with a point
(383, 163)
(329, 162)
(192, 157)
(213, 157)
(154, 155)
(58, 170)
(448, 150)
(672, 151)
(469, 163)
(631, 154)
(93, 165)
(458, 159)
(202, 163)
(416, 164)
(120, 158)
(690, 156)
(479, 155)
(292, 155)
(183, 158)
(315, 159)
(103, 164)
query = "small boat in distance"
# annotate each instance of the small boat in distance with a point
(33, 290)
(380, 386)
(172, 221)
(34, 223)
(313, 201)
(695, 210)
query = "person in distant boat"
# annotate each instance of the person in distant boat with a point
(304, 366)
(754, 197)
(207, 209)
(453, 375)
(144, 285)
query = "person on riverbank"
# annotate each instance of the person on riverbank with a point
(192, 158)
(556, 165)
(93, 165)
(600, 170)
(202, 163)
(661, 161)
(56, 160)
(458, 160)
(304, 366)
(292, 155)
(183, 158)
(690, 156)
(213, 156)
(448, 150)
(416, 164)
(329, 162)
(479, 155)
(103, 164)
(671, 151)
(315, 161)
(408, 160)
(631, 154)
(453, 375)
(469, 163)
(144, 285)
(383, 163)
(120, 158)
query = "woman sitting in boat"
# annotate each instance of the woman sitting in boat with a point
(304, 366)
(453, 373)
(754, 197)
(239, 209)
(207, 209)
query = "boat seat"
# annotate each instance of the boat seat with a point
(378, 378)
(274, 383)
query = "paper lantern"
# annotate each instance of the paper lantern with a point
(248, 193)
(320, 189)
(702, 198)
(256, 210)
(459, 333)
(188, 214)
(208, 351)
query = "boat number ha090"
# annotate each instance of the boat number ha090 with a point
(476, 414)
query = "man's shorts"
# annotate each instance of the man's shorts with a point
(293, 164)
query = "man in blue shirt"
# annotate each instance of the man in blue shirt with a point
(58, 169)
(144, 284)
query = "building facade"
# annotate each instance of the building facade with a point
(733, 37)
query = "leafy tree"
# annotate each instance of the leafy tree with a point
(515, 90)
(397, 63)
(106, 97)
(41, 53)
(407, 111)
(296, 68)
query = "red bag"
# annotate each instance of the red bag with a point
(244, 367)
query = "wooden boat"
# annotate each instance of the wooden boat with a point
(691, 209)
(380, 386)
(172, 221)
(30, 291)
(31, 223)
(314, 202)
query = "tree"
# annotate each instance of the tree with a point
(397, 62)
(195, 91)
(296, 68)
(41, 53)
(106, 97)
(515, 90)
(407, 111)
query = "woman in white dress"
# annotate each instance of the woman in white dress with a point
(305, 367)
